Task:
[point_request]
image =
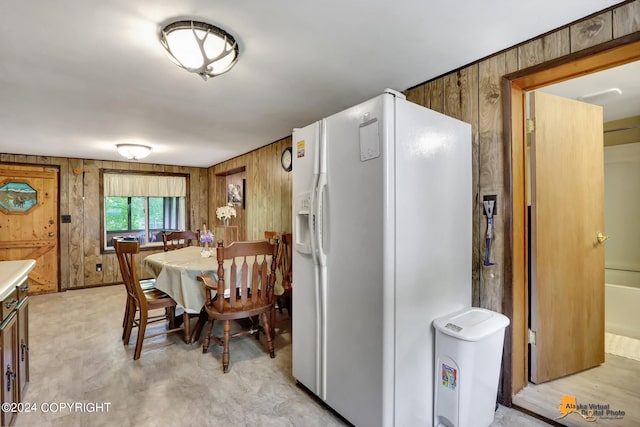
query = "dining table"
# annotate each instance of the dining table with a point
(176, 273)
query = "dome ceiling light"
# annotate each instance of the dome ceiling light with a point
(199, 47)
(133, 151)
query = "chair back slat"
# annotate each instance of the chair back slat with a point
(179, 239)
(251, 274)
(126, 252)
(286, 259)
(255, 282)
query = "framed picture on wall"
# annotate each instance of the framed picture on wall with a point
(235, 194)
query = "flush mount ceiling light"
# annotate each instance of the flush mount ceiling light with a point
(199, 47)
(598, 97)
(133, 151)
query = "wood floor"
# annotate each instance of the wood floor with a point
(615, 383)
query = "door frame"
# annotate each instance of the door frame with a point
(514, 87)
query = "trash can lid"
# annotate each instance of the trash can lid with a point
(471, 324)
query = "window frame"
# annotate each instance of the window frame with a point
(103, 232)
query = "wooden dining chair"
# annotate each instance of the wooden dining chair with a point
(253, 297)
(284, 267)
(139, 300)
(286, 259)
(179, 239)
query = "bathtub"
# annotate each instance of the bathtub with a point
(622, 310)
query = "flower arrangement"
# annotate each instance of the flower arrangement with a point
(225, 212)
(206, 238)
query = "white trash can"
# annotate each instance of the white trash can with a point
(468, 357)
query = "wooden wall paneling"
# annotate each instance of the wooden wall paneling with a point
(434, 95)
(416, 95)
(64, 230)
(278, 179)
(271, 166)
(75, 254)
(194, 220)
(255, 185)
(268, 189)
(461, 102)
(591, 32)
(203, 195)
(491, 181)
(543, 49)
(79, 241)
(20, 158)
(258, 211)
(286, 188)
(110, 269)
(91, 238)
(626, 19)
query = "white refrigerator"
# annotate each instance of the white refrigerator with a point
(382, 246)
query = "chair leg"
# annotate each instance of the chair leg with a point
(131, 315)
(225, 351)
(126, 312)
(272, 320)
(207, 336)
(171, 315)
(186, 325)
(141, 331)
(197, 330)
(267, 332)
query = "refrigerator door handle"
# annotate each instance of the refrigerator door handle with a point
(321, 185)
(319, 226)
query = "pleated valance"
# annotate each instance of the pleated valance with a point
(124, 185)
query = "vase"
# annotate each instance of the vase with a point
(226, 222)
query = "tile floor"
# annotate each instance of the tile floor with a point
(77, 355)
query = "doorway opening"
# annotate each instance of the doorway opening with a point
(517, 86)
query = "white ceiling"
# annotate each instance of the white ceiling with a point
(626, 78)
(78, 77)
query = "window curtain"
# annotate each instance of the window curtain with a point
(123, 185)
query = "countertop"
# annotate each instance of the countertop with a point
(12, 273)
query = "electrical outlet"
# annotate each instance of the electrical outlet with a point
(98, 267)
(488, 197)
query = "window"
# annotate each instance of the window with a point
(141, 207)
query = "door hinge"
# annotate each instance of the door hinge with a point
(531, 339)
(531, 125)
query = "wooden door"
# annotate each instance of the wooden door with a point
(28, 221)
(567, 259)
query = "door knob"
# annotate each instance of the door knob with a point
(602, 237)
(51, 234)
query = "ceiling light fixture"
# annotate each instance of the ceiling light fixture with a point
(133, 151)
(598, 97)
(200, 48)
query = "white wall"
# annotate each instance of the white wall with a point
(622, 214)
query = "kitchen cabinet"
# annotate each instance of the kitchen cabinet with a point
(14, 335)
(9, 340)
(23, 346)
